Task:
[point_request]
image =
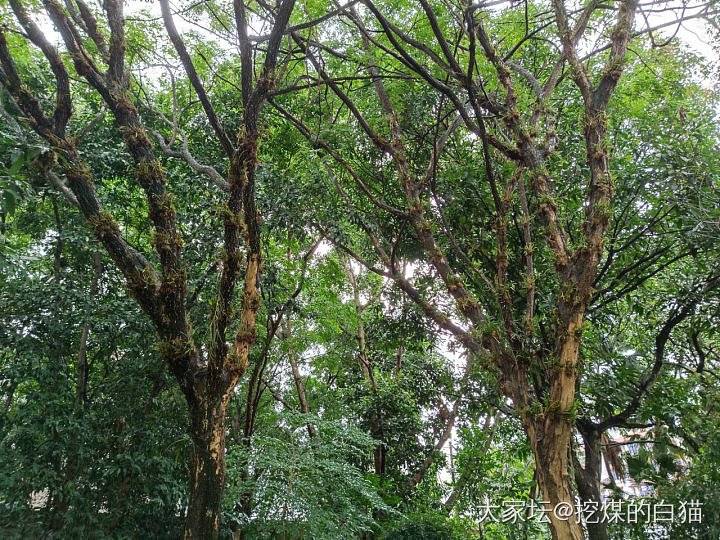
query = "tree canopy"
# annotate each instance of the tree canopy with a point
(363, 269)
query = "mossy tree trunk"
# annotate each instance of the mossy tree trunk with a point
(207, 465)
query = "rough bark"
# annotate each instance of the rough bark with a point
(550, 428)
(551, 449)
(207, 466)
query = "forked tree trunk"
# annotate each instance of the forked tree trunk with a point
(207, 467)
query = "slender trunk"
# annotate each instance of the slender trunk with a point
(452, 460)
(244, 505)
(302, 398)
(66, 471)
(376, 420)
(447, 419)
(207, 466)
(379, 459)
(587, 479)
(57, 262)
(304, 407)
(244, 426)
(246, 500)
(398, 361)
(81, 369)
(9, 391)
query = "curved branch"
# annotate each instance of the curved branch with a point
(194, 79)
(185, 155)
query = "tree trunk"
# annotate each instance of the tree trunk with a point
(302, 398)
(207, 467)
(379, 459)
(550, 432)
(551, 445)
(588, 480)
(82, 367)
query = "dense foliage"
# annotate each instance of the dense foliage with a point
(360, 270)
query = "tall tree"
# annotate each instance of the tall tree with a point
(503, 78)
(457, 155)
(207, 374)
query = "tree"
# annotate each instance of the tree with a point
(206, 374)
(474, 216)
(89, 419)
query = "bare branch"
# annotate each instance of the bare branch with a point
(185, 155)
(62, 187)
(194, 79)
